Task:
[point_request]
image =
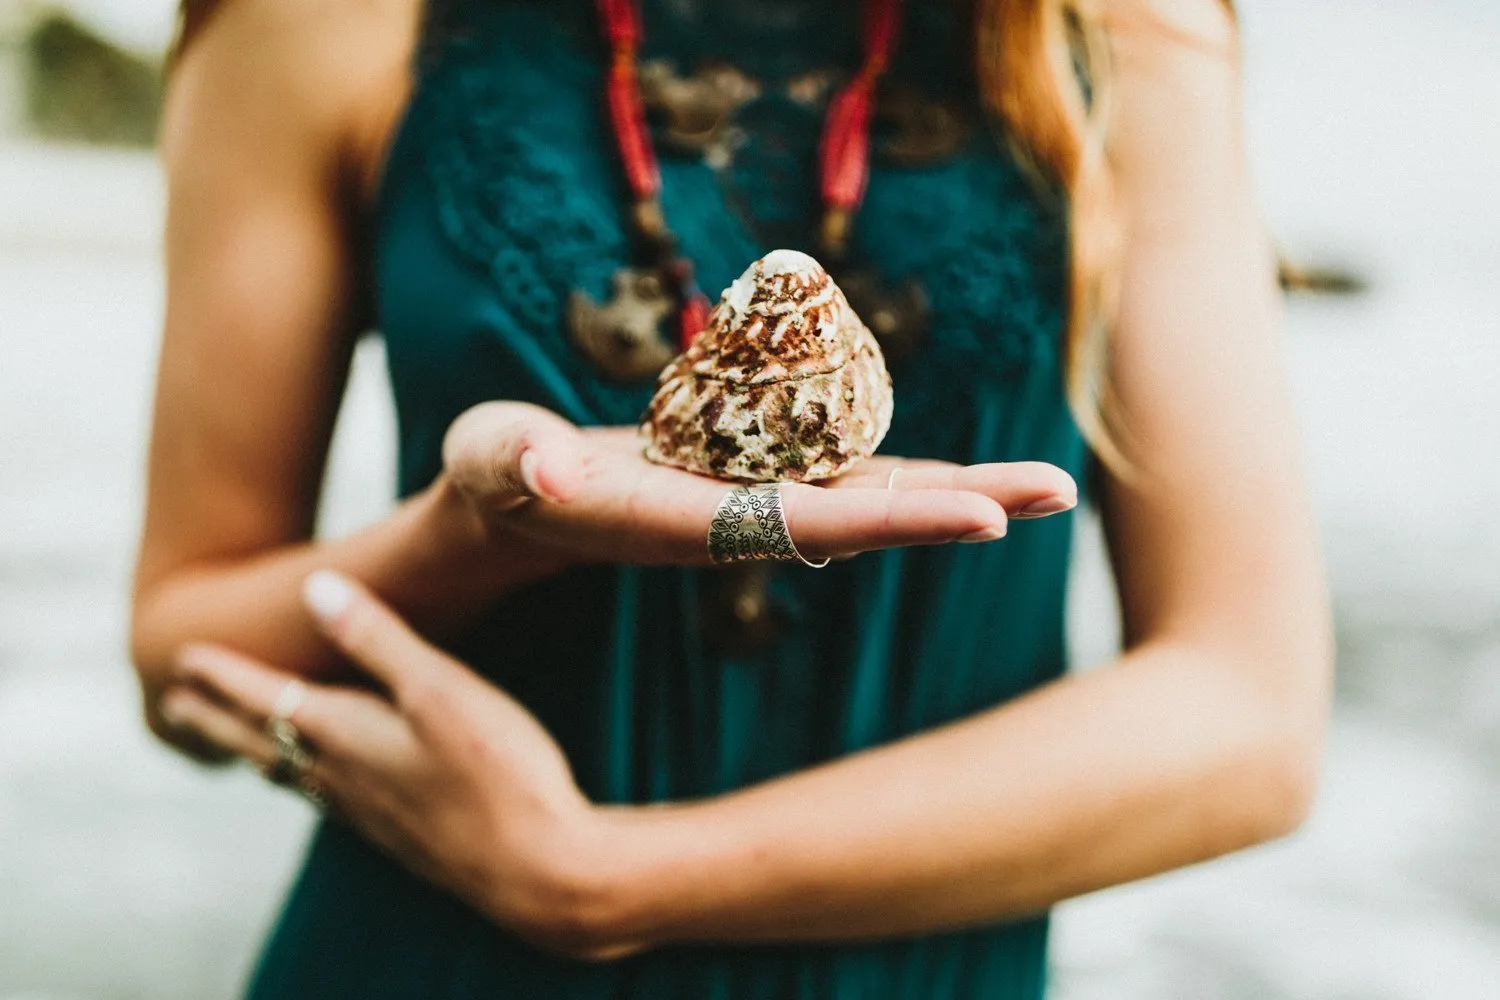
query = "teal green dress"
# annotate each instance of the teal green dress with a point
(502, 194)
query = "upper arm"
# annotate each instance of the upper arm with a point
(1214, 538)
(262, 267)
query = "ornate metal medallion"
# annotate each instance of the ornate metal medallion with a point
(623, 336)
(918, 131)
(739, 616)
(695, 112)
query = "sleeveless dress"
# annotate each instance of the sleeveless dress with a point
(501, 195)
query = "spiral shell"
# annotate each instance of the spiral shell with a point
(786, 384)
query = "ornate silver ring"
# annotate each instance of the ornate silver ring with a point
(750, 525)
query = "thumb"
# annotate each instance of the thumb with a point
(501, 454)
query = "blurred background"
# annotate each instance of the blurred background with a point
(126, 873)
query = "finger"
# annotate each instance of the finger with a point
(338, 720)
(665, 517)
(875, 471)
(833, 522)
(372, 635)
(631, 510)
(503, 453)
(1024, 489)
(190, 711)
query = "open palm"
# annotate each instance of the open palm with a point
(592, 493)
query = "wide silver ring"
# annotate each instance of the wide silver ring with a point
(750, 525)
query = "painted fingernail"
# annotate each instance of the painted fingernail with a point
(530, 461)
(987, 535)
(1041, 508)
(327, 594)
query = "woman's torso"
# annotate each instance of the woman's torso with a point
(502, 196)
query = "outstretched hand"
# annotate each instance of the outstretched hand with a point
(592, 493)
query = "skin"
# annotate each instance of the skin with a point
(1201, 739)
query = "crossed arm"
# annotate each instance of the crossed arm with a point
(1202, 738)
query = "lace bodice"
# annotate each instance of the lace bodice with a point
(508, 133)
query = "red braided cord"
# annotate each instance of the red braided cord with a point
(880, 22)
(622, 22)
(844, 158)
(622, 93)
(692, 319)
(844, 153)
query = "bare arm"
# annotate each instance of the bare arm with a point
(1201, 739)
(265, 119)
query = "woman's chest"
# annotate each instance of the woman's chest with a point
(506, 170)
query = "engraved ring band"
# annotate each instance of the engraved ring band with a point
(751, 525)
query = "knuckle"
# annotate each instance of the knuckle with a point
(527, 433)
(976, 508)
(501, 481)
(424, 699)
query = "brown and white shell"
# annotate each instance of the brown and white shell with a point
(786, 384)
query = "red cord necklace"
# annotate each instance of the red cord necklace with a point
(843, 156)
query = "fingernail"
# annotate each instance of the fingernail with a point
(327, 594)
(1041, 508)
(530, 460)
(987, 535)
(170, 713)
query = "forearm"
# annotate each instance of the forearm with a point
(1162, 760)
(438, 566)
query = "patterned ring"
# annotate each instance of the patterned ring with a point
(749, 525)
(292, 765)
(292, 758)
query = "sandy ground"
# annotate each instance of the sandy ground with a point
(125, 873)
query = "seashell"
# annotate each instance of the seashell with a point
(786, 384)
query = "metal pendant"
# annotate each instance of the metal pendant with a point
(897, 316)
(918, 131)
(813, 88)
(623, 336)
(694, 112)
(737, 614)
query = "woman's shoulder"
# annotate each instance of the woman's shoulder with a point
(323, 78)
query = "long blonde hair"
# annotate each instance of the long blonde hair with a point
(1044, 72)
